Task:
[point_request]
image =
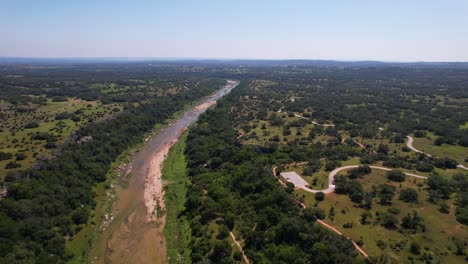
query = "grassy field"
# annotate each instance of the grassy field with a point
(437, 241)
(257, 135)
(16, 138)
(177, 229)
(426, 144)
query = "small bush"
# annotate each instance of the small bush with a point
(31, 124)
(12, 165)
(396, 176)
(20, 156)
(5, 156)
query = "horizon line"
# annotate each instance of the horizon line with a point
(123, 58)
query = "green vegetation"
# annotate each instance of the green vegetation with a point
(51, 203)
(177, 229)
(428, 144)
(65, 130)
(36, 130)
(381, 226)
(376, 202)
(233, 190)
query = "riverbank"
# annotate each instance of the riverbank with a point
(102, 216)
(177, 228)
(120, 230)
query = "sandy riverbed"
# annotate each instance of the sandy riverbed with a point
(136, 234)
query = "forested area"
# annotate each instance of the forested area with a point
(310, 119)
(233, 189)
(317, 120)
(47, 204)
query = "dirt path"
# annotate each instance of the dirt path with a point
(314, 122)
(246, 260)
(409, 144)
(330, 227)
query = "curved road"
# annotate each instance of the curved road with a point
(299, 182)
(409, 144)
(328, 226)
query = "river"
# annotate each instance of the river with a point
(136, 234)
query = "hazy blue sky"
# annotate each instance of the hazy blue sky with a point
(392, 30)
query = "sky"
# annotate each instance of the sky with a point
(386, 30)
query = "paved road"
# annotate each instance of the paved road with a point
(299, 182)
(409, 144)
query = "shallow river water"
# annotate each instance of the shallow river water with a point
(136, 234)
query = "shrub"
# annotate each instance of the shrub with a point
(444, 207)
(386, 193)
(396, 175)
(415, 248)
(388, 220)
(319, 196)
(12, 165)
(20, 156)
(62, 116)
(5, 156)
(409, 195)
(31, 124)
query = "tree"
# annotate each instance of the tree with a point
(396, 175)
(289, 187)
(445, 163)
(319, 196)
(415, 248)
(388, 220)
(439, 186)
(341, 183)
(414, 222)
(221, 251)
(444, 207)
(331, 165)
(463, 141)
(365, 218)
(420, 133)
(80, 216)
(462, 214)
(359, 172)
(409, 195)
(356, 192)
(383, 149)
(313, 213)
(12, 165)
(20, 156)
(386, 193)
(5, 156)
(223, 232)
(312, 166)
